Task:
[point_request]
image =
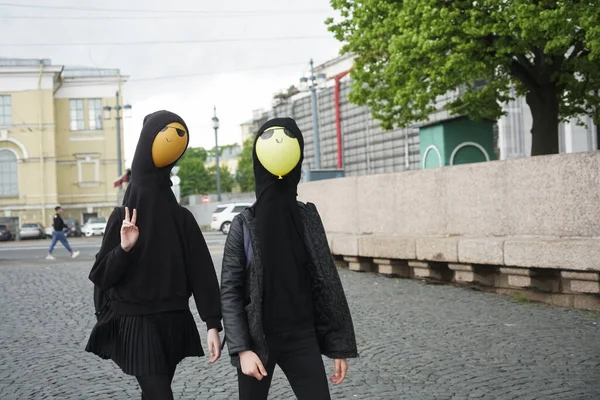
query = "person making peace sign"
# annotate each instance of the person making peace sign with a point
(129, 232)
(148, 268)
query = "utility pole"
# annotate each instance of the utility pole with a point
(315, 115)
(119, 155)
(312, 83)
(120, 111)
(217, 167)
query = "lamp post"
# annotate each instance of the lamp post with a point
(215, 121)
(107, 115)
(312, 83)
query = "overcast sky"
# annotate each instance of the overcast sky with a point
(237, 75)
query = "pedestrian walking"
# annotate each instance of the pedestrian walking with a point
(282, 298)
(58, 235)
(152, 259)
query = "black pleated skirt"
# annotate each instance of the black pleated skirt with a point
(146, 345)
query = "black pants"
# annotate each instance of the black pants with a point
(298, 355)
(157, 387)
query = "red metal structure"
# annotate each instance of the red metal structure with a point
(338, 117)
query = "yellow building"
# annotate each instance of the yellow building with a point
(229, 155)
(55, 146)
(249, 129)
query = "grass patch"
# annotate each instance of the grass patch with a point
(593, 315)
(520, 298)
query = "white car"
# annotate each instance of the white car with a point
(94, 227)
(223, 215)
(49, 230)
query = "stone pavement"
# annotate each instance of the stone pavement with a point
(416, 341)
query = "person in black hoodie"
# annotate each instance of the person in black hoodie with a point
(282, 298)
(152, 259)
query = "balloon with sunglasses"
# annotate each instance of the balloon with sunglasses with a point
(278, 150)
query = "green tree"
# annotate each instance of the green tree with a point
(195, 152)
(226, 178)
(245, 170)
(408, 53)
(194, 177)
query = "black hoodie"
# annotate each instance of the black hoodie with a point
(170, 260)
(287, 289)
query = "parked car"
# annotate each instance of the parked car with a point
(5, 233)
(33, 230)
(223, 215)
(73, 227)
(94, 227)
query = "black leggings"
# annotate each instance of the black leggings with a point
(298, 355)
(157, 387)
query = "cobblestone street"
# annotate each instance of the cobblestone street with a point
(416, 341)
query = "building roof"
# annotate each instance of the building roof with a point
(334, 61)
(89, 72)
(24, 62)
(66, 72)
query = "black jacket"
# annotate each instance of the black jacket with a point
(58, 224)
(242, 288)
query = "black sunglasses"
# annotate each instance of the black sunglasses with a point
(266, 135)
(180, 132)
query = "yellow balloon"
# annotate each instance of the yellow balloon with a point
(169, 144)
(278, 151)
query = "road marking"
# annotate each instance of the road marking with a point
(46, 248)
(209, 243)
(215, 247)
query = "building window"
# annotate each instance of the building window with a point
(88, 171)
(9, 176)
(5, 111)
(95, 114)
(76, 115)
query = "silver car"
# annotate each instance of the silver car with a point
(32, 231)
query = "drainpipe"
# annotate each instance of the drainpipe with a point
(41, 117)
(338, 118)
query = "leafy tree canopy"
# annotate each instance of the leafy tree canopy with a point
(411, 52)
(245, 170)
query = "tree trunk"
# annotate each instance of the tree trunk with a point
(544, 111)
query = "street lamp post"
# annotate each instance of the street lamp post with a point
(215, 121)
(107, 115)
(312, 83)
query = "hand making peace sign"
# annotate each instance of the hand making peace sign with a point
(129, 231)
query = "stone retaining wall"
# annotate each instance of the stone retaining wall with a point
(531, 224)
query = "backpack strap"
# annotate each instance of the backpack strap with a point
(247, 246)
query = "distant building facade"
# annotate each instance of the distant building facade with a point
(367, 149)
(228, 156)
(249, 128)
(55, 146)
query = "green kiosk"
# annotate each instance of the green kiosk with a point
(456, 141)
